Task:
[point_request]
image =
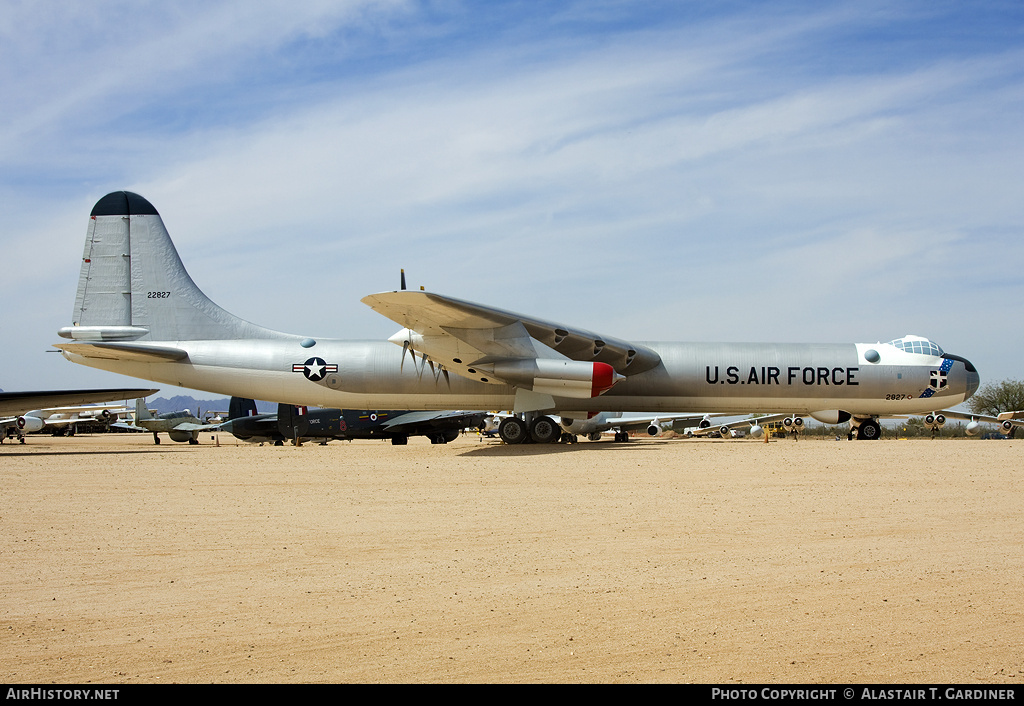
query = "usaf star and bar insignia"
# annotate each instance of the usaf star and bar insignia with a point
(315, 368)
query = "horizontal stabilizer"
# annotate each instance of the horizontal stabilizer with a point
(124, 351)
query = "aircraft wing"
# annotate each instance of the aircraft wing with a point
(191, 426)
(15, 402)
(492, 345)
(744, 424)
(674, 420)
(433, 419)
(1006, 421)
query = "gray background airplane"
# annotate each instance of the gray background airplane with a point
(181, 426)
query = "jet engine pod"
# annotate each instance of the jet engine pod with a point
(654, 429)
(1006, 427)
(793, 423)
(831, 416)
(935, 421)
(725, 432)
(564, 378)
(27, 424)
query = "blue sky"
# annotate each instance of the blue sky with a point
(734, 171)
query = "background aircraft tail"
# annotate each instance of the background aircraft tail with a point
(241, 407)
(133, 286)
(141, 410)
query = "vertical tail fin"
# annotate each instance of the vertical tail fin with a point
(241, 407)
(133, 285)
(141, 411)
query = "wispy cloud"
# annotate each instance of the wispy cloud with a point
(769, 172)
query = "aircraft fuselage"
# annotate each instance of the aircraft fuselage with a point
(710, 377)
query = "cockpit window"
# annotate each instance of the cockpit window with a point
(913, 344)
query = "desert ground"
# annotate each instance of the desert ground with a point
(657, 560)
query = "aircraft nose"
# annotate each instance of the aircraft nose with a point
(971, 377)
(973, 380)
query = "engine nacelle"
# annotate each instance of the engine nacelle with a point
(655, 429)
(793, 423)
(831, 416)
(937, 421)
(27, 424)
(183, 436)
(562, 378)
(725, 432)
(1006, 427)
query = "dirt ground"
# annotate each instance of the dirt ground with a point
(653, 561)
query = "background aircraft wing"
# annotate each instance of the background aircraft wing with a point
(192, 426)
(665, 421)
(1006, 421)
(744, 424)
(128, 426)
(15, 402)
(411, 420)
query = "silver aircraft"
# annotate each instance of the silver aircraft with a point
(137, 312)
(621, 425)
(22, 422)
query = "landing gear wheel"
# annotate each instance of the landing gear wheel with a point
(512, 430)
(399, 440)
(869, 430)
(621, 436)
(544, 430)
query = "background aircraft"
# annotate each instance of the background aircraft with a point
(795, 424)
(290, 422)
(24, 419)
(180, 426)
(64, 420)
(466, 355)
(650, 424)
(1006, 421)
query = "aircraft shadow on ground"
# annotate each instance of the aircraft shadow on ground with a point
(518, 450)
(119, 452)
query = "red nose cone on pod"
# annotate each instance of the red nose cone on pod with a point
(604, 377)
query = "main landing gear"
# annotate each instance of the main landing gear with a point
(538, 430)
(867, 430)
